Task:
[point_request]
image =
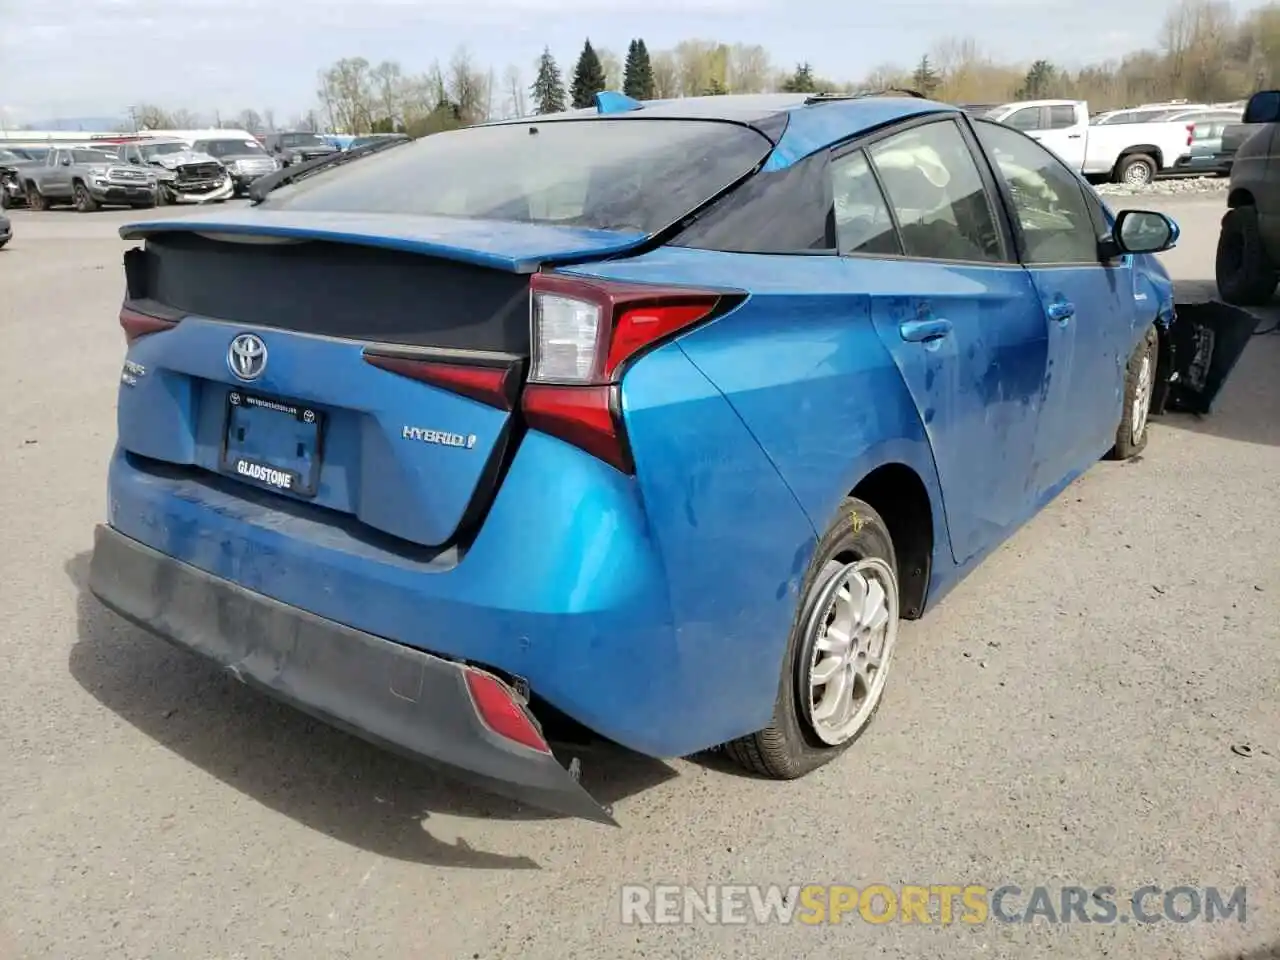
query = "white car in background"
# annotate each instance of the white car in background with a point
(1132, 153)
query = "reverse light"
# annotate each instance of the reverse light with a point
(583, 334)
(137, 324)
(500, 712)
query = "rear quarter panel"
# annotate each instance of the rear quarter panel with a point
(803, 368)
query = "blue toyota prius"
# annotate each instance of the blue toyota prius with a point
(656, 417)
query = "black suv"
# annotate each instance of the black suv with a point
(291, 148)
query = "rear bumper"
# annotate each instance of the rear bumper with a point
(392, 695)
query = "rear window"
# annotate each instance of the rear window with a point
(89, 156)
(634, 174)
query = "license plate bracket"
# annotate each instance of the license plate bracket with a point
(273, 442)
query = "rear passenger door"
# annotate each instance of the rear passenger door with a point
(1088, 306)
(916, 224)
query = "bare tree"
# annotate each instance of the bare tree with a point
(515, 92)
(269, 120)
(250, 120)
(666, 75)
(749, 69)
(346, 90)
(388, 81)
(467, 88)
(612, 69)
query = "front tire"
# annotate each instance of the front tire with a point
(1139, 387)
(1245, 274)
(84, 201)
(838, 653)
(35, 199)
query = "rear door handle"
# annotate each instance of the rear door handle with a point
(1073, 136)
(923, 331)
(1062, 311)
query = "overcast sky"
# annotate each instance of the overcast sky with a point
(96, 57)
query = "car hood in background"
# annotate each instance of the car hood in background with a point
(172, 161)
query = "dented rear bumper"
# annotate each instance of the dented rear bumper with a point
(1199, 349)
(416, 704)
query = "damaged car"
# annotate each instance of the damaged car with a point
(185, 175)
(712, 393)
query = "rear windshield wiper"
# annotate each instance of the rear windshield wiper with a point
(264, 185)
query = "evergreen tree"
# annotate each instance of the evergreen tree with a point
(588, 77)
(548, 89)
(925, 79)
(715, 88)
(801, 81)
(1039, 82)
(638, 78)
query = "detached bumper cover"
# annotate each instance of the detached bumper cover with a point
(391, 695)
(176, 193)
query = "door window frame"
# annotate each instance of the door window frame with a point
(1011, 211)
(1009, 252)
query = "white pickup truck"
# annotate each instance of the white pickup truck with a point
(1122, 152)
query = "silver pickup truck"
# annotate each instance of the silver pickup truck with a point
(86, 179)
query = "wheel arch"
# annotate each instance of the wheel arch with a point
(899, 494)
(1240, 197)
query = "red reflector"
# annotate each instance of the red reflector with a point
(1191, 133)
(582, 416)
(636, 328)
(490, 385)
(501, 713)
(136, 324)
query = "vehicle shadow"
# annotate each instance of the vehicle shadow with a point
(1245, 409)
(1266, 952)
(318, 776)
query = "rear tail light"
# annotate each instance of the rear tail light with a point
(583, 333)
(1191, 133)
(501, 713)
(494, 385)
(137, 324)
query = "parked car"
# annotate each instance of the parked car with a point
(11, 165)
(674, 443)
(295, 146)
(374, 138)
(1133, 153)
(245, 159)
(6, 229)
(1205, 153)
(86, 179)
(184, 175)
(1248, 260)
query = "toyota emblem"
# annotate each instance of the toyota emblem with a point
(247, 358)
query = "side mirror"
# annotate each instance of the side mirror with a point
(1143, 231)
(66, 161)
(1263, 107)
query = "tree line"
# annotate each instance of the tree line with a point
(1205, 52)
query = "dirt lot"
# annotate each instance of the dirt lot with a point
(1067, 716)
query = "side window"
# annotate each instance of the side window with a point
(937, 194)
(1062, 116)
(1049, 202)
(1028, 118)
(863, 222)
(783, 211)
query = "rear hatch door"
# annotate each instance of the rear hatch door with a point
(368, 365)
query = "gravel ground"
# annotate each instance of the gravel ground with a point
(1094, 706)
(1173, 187)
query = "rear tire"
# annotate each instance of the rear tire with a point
(1139, 387)
(35, 199)
(799, 739)
(1245, 274)
(1136, 170)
